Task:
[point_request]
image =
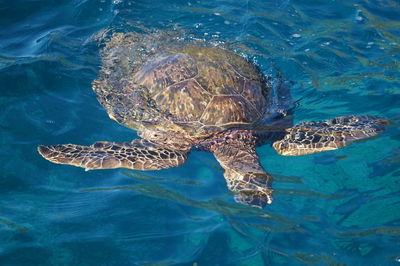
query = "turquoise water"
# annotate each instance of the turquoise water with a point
(339, 207)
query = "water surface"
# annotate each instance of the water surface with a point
(339, 207)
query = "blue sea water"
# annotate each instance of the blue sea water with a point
(335, 208)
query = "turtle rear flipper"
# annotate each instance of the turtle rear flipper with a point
(139, 154)
(312, 137)
(244, 174)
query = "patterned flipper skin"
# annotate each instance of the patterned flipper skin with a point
(139, 154)
(312, 137)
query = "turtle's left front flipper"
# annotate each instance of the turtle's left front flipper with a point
(139, 154)
(312, 137)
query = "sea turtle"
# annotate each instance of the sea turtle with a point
(179, 94)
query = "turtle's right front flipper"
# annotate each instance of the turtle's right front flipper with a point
(312, 137)
(139, 154)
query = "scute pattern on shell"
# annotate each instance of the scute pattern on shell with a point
(190, 87)
(199, 84)
(165, 71)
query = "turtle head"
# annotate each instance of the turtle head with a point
(253, 189)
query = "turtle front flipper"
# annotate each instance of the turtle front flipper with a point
(312, 137)
(139, 154)
(243, 173)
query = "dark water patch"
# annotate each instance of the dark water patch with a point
(216, 205)
(326, 159)
(13, 226)
(144, 177)
(370, 232)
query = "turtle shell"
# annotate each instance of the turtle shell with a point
(202, 90)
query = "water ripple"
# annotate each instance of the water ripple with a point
(343, 58)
